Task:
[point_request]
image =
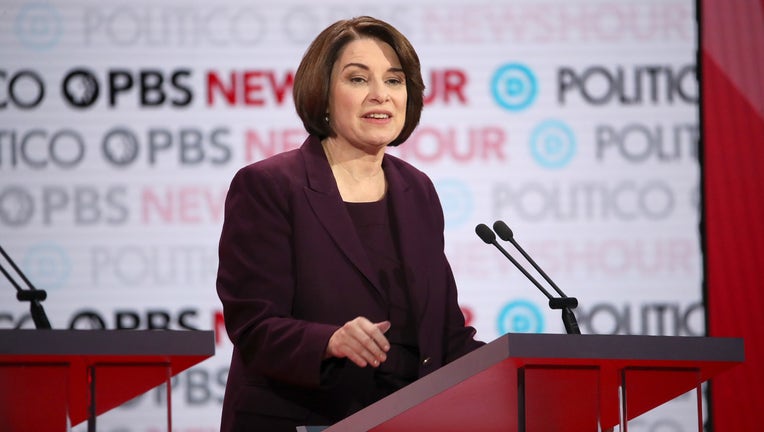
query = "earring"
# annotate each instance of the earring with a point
(326, 118)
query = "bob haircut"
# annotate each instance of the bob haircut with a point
(313, 76)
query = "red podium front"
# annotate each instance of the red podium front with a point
(550, 382)
(47, 376)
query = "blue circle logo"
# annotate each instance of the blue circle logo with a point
(456, 199)
(47, 266)
(552, 144)
(16, 206)
(520, 316)
(38, 26)
(514, 87)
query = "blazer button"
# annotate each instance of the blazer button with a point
(426, 361)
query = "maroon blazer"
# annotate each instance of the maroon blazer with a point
(293, 270)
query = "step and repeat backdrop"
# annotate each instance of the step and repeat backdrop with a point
(575, 122)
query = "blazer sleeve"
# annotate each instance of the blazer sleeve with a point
(460, 339)
(256, 281)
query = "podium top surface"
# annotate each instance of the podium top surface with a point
(615, 347)
(29, 343)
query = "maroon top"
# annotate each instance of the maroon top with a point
(375, 228)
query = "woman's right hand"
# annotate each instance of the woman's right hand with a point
(361, 341)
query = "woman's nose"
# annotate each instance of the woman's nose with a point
(378, 92)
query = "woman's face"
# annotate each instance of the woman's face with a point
(367, 95)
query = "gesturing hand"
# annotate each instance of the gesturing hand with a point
(361, 341)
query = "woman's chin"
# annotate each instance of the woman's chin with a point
(382, 140)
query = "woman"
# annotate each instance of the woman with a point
(335, 287)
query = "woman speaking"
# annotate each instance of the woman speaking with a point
(333, 279)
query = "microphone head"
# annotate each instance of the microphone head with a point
(485, 233)
(503, 230)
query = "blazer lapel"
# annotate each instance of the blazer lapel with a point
(325, 200)
(411, 222)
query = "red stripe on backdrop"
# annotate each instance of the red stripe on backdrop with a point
(732, 64)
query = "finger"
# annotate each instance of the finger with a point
(365, 340)
(352, 342)
(342, 345)
(379, 335)
(373, 339)
(362, 346)
(357, 359)
(365, 345)
(383, 326)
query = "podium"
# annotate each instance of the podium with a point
(551, 382)
(49, 376)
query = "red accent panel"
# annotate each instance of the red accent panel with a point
(732, 67)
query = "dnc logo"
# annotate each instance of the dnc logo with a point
(456, 199)
(47, 265)
(520, 316)
(552, 144)
(38, 26)
(514, 87)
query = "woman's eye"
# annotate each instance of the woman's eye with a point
(357, 79)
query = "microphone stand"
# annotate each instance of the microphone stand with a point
(564, 303)
(33, 295)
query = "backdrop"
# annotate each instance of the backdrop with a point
(576, 122)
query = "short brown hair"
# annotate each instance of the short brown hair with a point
(311, 81)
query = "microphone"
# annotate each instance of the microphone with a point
(488, 236)
(505, 233)
(33, 295)
(564, 303)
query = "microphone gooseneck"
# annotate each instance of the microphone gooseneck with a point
(32, 295)
(488, 236)
(563, 303)
(505, 233)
